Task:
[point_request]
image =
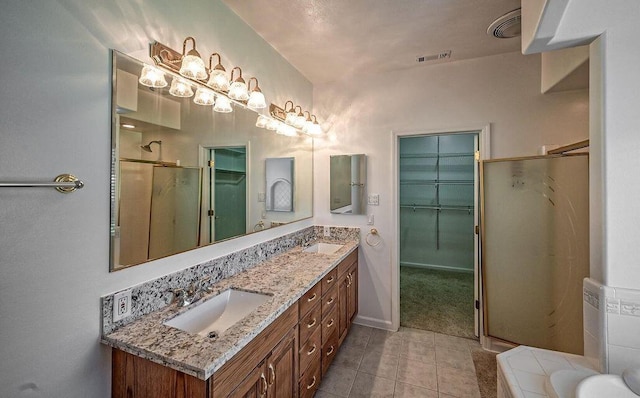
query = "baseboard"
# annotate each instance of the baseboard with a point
(435, 266)
(374, 323)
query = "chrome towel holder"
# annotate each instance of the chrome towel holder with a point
(64, 183)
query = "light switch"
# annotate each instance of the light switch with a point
(374, 199)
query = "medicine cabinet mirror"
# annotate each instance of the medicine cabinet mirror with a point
(348, 177)
(184, 176)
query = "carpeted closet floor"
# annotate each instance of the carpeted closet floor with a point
(437, 300)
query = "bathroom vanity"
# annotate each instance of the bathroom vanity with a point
(281, 349)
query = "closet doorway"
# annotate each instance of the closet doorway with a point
(438, 182)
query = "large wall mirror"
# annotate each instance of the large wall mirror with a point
(185, 176)
(347, 184)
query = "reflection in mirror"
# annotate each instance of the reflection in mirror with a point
(279, 184)
(185, 176)
(348, 177)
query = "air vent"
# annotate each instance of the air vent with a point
(507, 26)
(434, 57)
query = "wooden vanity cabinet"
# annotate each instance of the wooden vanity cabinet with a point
(347, 294)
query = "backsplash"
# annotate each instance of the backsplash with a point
(153, 295)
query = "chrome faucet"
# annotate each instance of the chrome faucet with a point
(195, 292)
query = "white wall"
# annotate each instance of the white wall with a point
(55, 118)
(362, 113)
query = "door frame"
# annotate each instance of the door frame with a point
(484, 142)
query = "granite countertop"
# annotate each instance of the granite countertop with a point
(286, 277)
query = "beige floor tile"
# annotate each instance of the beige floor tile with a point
(324, 394)
(408, 391)
(456, 359)
(360, 330)
(379, 364)
(458, 383)
(383, 341)
(369, 386)
(356, 341)
(443, 395)
(417, 373)
(411, 334)
(452, 342)
(349, 357)
(338, 381)
(422, 351)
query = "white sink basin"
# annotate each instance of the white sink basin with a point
(607, 385)
(562, 383)
(323, 248)
(214, 316)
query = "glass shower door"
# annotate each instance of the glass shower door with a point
(536, 250)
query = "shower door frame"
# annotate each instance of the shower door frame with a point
(484, 141)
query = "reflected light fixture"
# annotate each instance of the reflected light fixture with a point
(291, 114)
(262, 121)
(307, 122)
(223, 105)
(192, 65)
(180, 88)
(285, 129)
(218, 75)
(238, 90)
(273, 124)
(204, 96)
(256, 98)
(152, 77)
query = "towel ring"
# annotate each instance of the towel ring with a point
(370, 234)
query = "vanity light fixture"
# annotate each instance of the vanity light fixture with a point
(285, 129)
(314, 129)
(262, 121)
(299, 121)
(291, 114)
(273, 124)
(223, 105)
(204, 96)
(256, 98)
(307, 122)
(218, 75)
(152, 77)
(192, 65)
(180, 88)
(238, 90)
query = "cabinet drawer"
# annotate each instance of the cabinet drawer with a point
(310, 351)
(310, 323)
(329, 300)
(329, 351)
(329, 324)
(310, 299)
(329, 281)
(310, 381)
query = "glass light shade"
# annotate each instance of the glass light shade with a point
(218, 80)
(238, 91)
(290, 119)
(180, 88)
(273, 124)
(223, 105)
(284, 129)
(314, 130)
(262, 121)
(299, 121)
(193, 67)
(152, 77)
(256, 100)
(307, 126)
(204, 96)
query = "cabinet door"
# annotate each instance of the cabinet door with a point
(282, 378)
(343, 306)
(352, 293)
(253, 386)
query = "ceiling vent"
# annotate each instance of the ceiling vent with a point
(434, 57)
(507, 26)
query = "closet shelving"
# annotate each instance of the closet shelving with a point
(447, 170)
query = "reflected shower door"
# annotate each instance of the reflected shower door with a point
(536, 250)
(175, 195)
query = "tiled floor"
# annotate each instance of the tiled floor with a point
(407, 363)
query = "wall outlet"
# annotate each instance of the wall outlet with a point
(326, 231)
(121, 305)
(370, 220)
(374, 199)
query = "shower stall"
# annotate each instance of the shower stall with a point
(437, 197)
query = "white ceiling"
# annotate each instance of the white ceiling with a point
(332, 39)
